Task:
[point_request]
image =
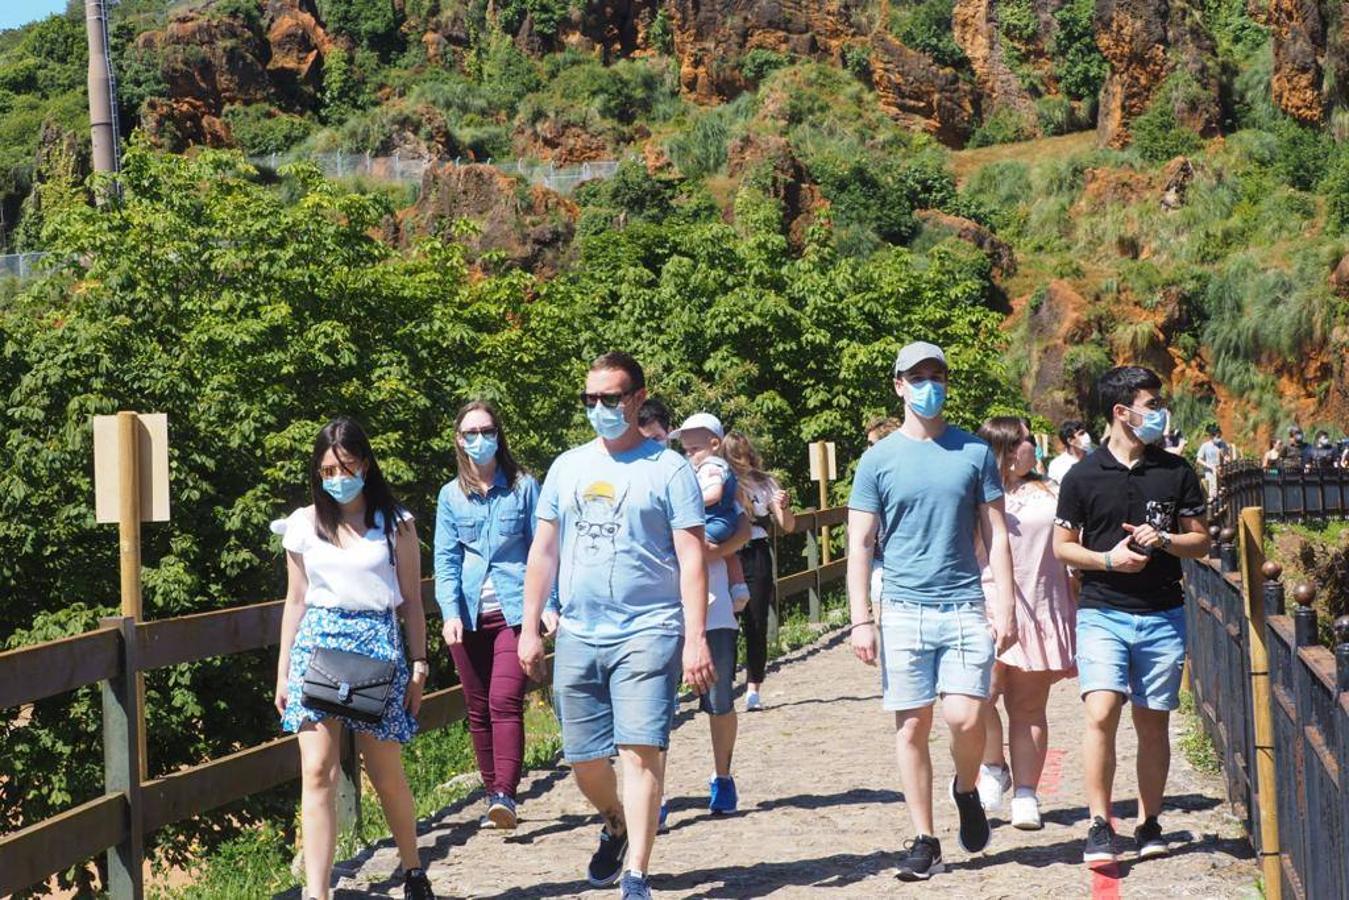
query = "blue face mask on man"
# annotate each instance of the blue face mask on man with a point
(344, 488)
(481, 448)
(1152, 427)
(609, 423)
(927, 397)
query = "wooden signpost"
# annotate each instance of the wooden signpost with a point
(823, 469)
(131, 486)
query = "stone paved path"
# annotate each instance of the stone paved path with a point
(821, 810)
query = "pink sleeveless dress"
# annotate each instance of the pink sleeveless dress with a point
(1046, 610)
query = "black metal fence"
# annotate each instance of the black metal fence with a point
(1286, 494)
(1309, 700)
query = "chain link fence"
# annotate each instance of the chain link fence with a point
(20, 265)
(562, 179)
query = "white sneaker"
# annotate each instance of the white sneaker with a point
(994, 781)
(1026, 813)
(752, 701)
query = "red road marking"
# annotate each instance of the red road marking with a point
(1105, 881)
(1052, 773)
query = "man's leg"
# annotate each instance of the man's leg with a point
(599, 783)
(964, 717)
(913, 728)
(1153, 765)
(1098, 748)
(723, 742)
(643, 776)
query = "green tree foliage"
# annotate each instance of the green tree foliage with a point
(371, 23)
(926, 25)
(1078, 62)
(1158, 134)
(759, 63)
(661, 33)
(260, 129)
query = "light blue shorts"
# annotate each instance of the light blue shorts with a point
(931, 649)
(612, 695)
(1139, 655)
(723, 644)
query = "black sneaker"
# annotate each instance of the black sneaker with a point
(921, 860)
(416, 886)
(1148, 837)
(973, 820)
(1100, 846)
(606, 866)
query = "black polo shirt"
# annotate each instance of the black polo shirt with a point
(1100, 494)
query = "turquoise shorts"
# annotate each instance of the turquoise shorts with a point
(612, 695)
(932, 649)
(1139, 655)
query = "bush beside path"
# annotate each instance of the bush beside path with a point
(821, 808)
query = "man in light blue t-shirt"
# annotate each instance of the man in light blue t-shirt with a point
(620, 527)
(927, 488)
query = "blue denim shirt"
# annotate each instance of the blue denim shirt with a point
(478, 536)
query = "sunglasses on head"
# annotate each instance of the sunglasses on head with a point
(486, 431)
(611, 400)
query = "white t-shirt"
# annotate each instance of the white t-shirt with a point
(760, 497)
(1059, 466)
(720, 609)
(358, 577)
(488, 601)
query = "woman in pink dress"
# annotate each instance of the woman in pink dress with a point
(1046, 613)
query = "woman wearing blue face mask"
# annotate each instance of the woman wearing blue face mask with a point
(354, 569)
(484, 526)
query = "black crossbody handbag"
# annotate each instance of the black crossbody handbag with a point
(350, 684)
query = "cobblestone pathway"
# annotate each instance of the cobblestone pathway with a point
(822, 814)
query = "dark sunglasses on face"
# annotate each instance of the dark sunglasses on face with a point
(488, 431)
(610, 400)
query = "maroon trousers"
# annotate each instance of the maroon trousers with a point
(494, 692)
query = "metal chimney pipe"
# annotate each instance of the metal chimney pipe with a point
(102, 88)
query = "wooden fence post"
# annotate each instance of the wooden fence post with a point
(349, 785)
(129, 546)
(1253, 572)
(813, 564)
(122, 764)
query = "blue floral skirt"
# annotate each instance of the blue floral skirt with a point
(374, 634)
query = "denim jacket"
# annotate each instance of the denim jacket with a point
(478, 536)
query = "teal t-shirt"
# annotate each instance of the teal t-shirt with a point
(927, 496)
(616, 518)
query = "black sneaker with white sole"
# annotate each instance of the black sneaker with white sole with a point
(606, 866)
(921, 860)
(1100, 846)
(416, 886)
(974, 831)
(1148, 837)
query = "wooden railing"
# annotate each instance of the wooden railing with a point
(1276, 705)
(130, 809)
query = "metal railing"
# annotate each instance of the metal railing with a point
(20, 265)
(1286, 494)
(562, 179)
(130, 808)
(1276, 705)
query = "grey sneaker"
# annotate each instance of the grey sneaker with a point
(635, 887)
(921, 860)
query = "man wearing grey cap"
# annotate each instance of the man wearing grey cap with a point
(926, 488)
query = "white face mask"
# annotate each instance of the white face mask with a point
(1084, 442)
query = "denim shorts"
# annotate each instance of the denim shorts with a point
(1140, 655)
(931, 649)
(723, 644)
(611, 695)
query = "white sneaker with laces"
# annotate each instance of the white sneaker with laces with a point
(752, 701)
(994, 781)
(1026, 813)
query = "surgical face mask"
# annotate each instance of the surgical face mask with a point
(610, 424)
(481, 448)
(926, 398)
(1084, 442)
(344, 488)
(1153, 426)
(1324, 442)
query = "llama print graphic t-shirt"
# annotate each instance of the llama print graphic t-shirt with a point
(616, 518)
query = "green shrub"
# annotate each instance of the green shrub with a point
(1157, 134)
(1078, 63)
(1055, 115)
(701, 150)
(857, 60)
(1004, 126)
(1303, 154)
(759, 63)
(259, 129)
(371, 23)
(1017, 20)
(1335, 188)
(660, 35)
(926, 26)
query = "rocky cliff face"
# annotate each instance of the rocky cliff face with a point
(1148, 44)
(975, 27)
(210, 60)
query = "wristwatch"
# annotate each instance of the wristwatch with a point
(1166, 540)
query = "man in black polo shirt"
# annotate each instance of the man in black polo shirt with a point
(1126, 515)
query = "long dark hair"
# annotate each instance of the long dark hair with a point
(346, 434)
(505, 462)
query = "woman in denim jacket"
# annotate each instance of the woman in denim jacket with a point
(484, 526)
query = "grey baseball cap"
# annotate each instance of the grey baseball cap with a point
(916, 352)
